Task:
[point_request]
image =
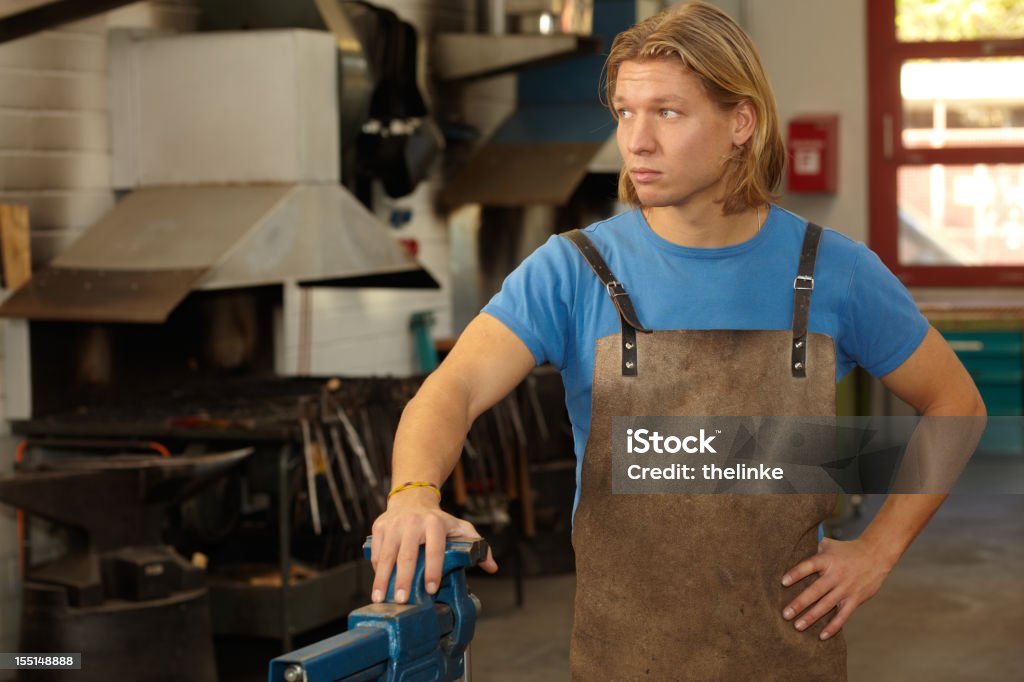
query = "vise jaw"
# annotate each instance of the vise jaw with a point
(424, 640)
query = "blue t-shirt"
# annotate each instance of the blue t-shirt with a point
(557, 306)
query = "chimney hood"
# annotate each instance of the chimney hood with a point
(160, 243)
(559, 132)
(538, 156)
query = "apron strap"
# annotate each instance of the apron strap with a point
(627, 314)
(803, 285)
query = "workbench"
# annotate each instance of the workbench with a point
(262, 416)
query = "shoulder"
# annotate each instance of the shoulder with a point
(608, 231)
(618, 239)
(612, 238)
(558, 265)
(614, 232)
(834, 243)
(838, 254)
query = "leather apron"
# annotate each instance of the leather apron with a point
(688, 586)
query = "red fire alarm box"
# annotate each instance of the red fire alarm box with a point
(813, 152)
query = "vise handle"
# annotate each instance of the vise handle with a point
(388, 642)
(459, 554)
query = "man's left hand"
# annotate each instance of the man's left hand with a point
(851, 573)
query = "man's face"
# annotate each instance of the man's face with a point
(674, 140)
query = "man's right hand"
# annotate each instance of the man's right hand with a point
(487, 362)
(414, 518)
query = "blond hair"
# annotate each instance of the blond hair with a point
(723, 57)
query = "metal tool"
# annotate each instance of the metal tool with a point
(332, 486)
(360, 451)
(346, 474)
(331, 415)
(307, 454)
(426, 639)
(373, 446)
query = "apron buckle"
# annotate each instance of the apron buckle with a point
(805, 278)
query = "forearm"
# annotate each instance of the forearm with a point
(898, 522)
(903, 517)
(431, 434)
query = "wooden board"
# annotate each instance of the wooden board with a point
(15, 247)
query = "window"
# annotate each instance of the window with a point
(946, 139)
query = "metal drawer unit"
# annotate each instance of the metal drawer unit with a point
(993, 359)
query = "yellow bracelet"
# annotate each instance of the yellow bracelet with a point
(416, 484)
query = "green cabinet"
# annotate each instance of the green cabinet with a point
(993, 359)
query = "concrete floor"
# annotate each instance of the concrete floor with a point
(953, 609)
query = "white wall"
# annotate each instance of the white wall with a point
(815, 56)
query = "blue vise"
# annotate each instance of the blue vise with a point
(423, 640)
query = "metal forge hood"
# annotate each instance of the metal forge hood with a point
(160, 243)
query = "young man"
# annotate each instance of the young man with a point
(724, 587)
